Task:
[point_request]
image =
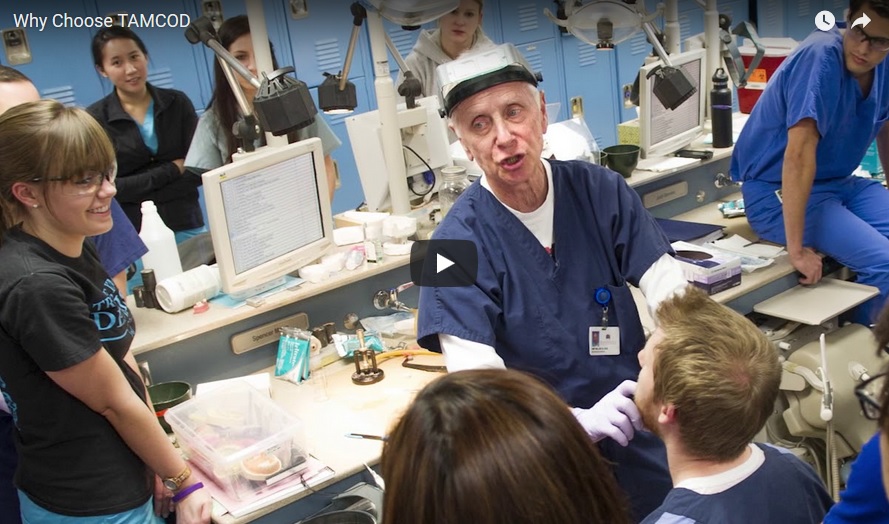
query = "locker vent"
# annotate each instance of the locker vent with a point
(529, 19)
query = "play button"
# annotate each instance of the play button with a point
(441, 263)
(444, 263)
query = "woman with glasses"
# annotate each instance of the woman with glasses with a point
(151, 129)
(90, 448)
(806, 136)
(866, 497)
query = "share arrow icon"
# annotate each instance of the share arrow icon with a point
(862, 20)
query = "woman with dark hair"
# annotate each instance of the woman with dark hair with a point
(492, 446)
(151, 129)
(214, 142)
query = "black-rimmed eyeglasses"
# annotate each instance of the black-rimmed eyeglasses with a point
(869, 395)
(877, 43)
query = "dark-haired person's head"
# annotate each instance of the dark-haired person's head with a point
(121, 56)
(865, 48)
(495, 446)
(234, 36)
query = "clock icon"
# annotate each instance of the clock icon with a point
(825, 20)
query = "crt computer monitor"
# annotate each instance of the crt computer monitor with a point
(269, 215)
(662, 131)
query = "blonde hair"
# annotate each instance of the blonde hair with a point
(44, 139)
(719, 371)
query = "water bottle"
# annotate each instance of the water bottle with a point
(455, 182)
(721, 110)
(163, 255)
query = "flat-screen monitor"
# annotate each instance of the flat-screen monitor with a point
(662, 131)
(424, 137)
(269, 215)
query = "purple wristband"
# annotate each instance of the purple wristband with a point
(187, 491)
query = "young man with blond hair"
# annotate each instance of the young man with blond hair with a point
(708, 383)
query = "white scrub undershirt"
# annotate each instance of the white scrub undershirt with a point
(713, 484)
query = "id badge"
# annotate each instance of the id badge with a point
(604, 341)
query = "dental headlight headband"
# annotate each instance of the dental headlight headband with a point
(474, 73)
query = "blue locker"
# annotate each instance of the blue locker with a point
(61, 65)
(591, 74)
(319, 42)
(543, 57)
(770, 19)
(799, 19)
(173, 62)
(796, 20)
(691, 21)
(523, 21)
(629, 57)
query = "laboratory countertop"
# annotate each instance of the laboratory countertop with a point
(372, 409)
(710, 214)
(641, 177)
(156, 328)
(348, 408)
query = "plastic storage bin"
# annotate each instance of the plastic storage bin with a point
(239, 438)
(777, 49)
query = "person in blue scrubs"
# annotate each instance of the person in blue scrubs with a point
(558, 243)
(808, 132)
(709, 382)
(865, 499)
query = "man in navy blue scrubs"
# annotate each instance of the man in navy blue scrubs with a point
(558, 245)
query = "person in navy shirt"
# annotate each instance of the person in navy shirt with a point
(708, 384)
(559, 244)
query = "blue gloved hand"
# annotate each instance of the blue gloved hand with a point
(615, 416)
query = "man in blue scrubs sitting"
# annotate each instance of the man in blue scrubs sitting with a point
(808, 132)
(708, 384)
(558, 245)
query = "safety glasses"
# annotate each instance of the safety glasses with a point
(85, 184)
(869, 395)
(877, 43)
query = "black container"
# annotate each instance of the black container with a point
(721, 110)
(149, 281)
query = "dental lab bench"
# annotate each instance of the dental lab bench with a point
(198, 347)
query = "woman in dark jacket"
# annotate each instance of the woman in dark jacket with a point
(151, 129)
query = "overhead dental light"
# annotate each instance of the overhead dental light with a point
(601, 23)
(411, 14)
(604, 23)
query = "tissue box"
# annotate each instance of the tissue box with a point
(240, 438)
(711, 270)
(628, 132)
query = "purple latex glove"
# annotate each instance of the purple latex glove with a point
(615, 416)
